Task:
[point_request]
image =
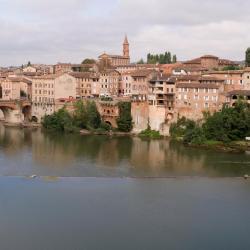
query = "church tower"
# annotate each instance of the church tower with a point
(126, 47)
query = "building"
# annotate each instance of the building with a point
(209, 62)
(109, 83)
(233, 79)
(85, 84)
(192, 99)
(117, 60)
(140, 84)
(49, 89)
(15, 88)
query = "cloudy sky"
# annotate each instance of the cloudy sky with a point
(50, 31)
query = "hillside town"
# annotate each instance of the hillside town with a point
(159, 93)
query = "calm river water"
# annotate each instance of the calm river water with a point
(97, 196)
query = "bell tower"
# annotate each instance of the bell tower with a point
(126, 47)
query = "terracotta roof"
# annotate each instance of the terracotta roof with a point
(18, 79)
(194, 61)
(196, 85)
(162, 77)
(227, 62)
(188, 78)
(239, 93)
(83, 75)
(142, 73)
(224, 72)
(210, 78)
(210, 56)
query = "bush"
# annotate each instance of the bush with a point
(60, 121)
(230, 124)
(151, 134)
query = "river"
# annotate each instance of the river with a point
(98, 192)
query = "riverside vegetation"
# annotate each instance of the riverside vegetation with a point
(227, 128)
(86, 116)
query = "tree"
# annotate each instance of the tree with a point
(124, 120)
(174, 59)
(248, 57)
(93, 116)
(59, 121)
(88, 61)
(29, 63)
(141, 61)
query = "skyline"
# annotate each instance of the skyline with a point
(30, 31)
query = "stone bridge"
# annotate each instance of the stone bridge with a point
(16, 111)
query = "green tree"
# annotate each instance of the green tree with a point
(174, 59)
(93, 116)
(141, 61)
(59, 121)
(248, 57)
(88, 61)
(124, 120)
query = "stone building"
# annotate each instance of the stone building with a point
(209, 62)
(109, 83)
(48, 89)
(140, 84)
(117, 60)
(85, 84)
(192, 99)
(15, 88)
(233, 79)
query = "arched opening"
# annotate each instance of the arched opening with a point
(170, 116)
(107, 122)
(26, 113)
(34, 119)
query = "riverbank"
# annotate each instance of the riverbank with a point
(232, 147)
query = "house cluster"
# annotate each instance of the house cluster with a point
(159, 94)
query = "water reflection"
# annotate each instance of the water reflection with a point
(24, 152)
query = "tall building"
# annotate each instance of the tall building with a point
(117, 60)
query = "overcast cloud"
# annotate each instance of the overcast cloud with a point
(49, 31)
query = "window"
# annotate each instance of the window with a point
(206, 98)
(206, 105)
(196, 97)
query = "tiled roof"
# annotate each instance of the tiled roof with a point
(239, 93)
(196, 85)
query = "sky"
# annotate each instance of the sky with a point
(51, 31)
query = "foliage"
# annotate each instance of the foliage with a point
(124, 120)
(248, 57)
(194, 136)
(106, 99)
(85, 116)
(151, 134)
(230, 124)
(182, 125)
(231, 67)
(23, 94)
(60, 121)
(88, 61)
(141, 61)
(161, 58)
